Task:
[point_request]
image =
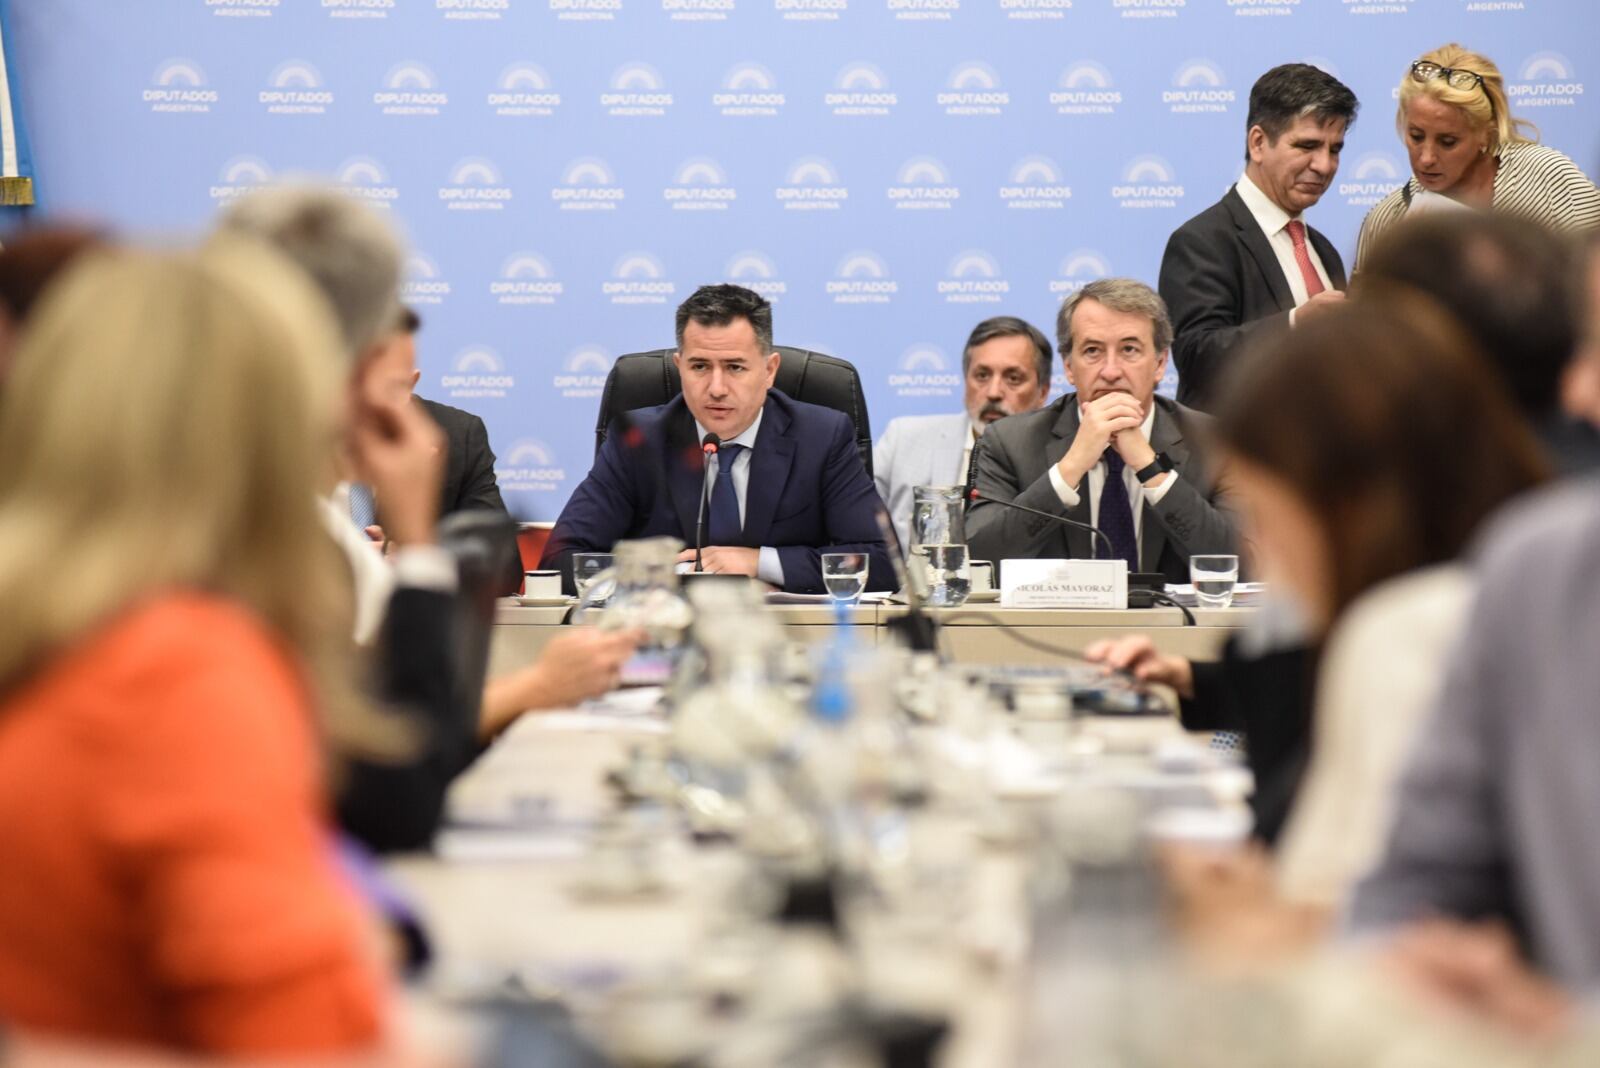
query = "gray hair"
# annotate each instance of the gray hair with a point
(1120, 295)
(348, 249)
(1010, 326)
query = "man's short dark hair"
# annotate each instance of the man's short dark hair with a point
(1285, 93)
(1010, 326)
(720, 305)
(1509, 282)
(407, 321)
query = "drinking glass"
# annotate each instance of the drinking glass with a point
(948, 578)
(844, 575)
(1213, 578)
(586, 567)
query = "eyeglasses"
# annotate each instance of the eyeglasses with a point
(1424, 71)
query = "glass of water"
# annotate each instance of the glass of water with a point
(844, 575)
(1213, 578)
(947, 575)
(586, 567)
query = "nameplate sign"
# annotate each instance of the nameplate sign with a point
(1064, 584)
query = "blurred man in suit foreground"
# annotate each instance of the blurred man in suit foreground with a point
(788, 483)
(1249, 262)
(1112, 454)
(1006, 366)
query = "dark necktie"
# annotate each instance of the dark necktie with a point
(724, 526)
(1116, 512)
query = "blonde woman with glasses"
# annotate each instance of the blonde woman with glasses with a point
(1468, 151)
(174, 635)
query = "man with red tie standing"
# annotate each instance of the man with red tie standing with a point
(1249, 262)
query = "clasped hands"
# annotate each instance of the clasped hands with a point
(725, 560)
(1112, 420)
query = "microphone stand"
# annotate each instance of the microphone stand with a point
(974, 496)
(710, 448)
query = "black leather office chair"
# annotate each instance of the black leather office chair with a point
(645, 379)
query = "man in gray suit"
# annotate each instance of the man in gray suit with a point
(1112, 454)
(1006, 367)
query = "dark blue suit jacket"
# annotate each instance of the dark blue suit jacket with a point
(808, 491)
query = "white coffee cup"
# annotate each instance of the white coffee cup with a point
(541, 584)
(982, 572)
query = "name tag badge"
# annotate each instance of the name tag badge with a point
(1064, 584)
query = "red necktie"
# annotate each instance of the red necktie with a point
(1302, 256)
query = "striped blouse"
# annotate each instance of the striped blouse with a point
(1534, 182)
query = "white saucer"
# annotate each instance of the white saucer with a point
(983, 596)
(546, 602)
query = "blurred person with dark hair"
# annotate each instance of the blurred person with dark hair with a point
(1005, 366)
(1249, 263)
(1364, 449)
(1492, 818)
(1509, 283)
(174, 660)
(788, 481)
(1468, 151)
(468, 481)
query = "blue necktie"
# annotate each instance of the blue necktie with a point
(362, 507)
(724, 527)
(1116, 512)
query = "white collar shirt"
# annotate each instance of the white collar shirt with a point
(1274, 222)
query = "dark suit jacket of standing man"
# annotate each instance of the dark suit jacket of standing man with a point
(1223, 285)
(469, 483)
(808, 492)
(1012, 462)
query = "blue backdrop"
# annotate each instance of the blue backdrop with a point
(887, 171)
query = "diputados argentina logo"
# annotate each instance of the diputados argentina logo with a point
(524, 89)
(639, 278)
(810, 10)
(472, 10)
(923, 371)
(1078, 269)
(366, 179)
(756, 271)
(475, 185)
(1032, 10)
(1495, 5)
(1373, 177)
(588, 185)
(358, 9)
(1148, 182)
(295, 88)
(861, 89)
(636, 89)
(1378, 7)
(477, 371)
(811, 184)
(973, 89)
(1547, 80)
(748, 89)
(924, 10)
(423, 283)
(862, 278)
(1263, 7)
(1035, 185)
(1149, 9)
(698, 10)
(410, 89)
(240, 176)
(530, 467)
(973, 278)
(586, 10)
(700, 185)
(1199, 88)
(1085, 88)
(260, 9)
(526, 279)
(923, 184)
(583, 373)
(178, 87)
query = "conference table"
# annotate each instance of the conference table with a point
(979, 634)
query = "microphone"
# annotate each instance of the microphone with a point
(710, 447)
(1111, 553)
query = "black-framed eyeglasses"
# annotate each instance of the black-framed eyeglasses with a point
(1424, 71)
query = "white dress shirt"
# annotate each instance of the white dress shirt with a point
(966, 454)
(1274, 222)
(769, 568)
(1138, 493)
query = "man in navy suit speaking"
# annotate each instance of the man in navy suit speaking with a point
(787, 482)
